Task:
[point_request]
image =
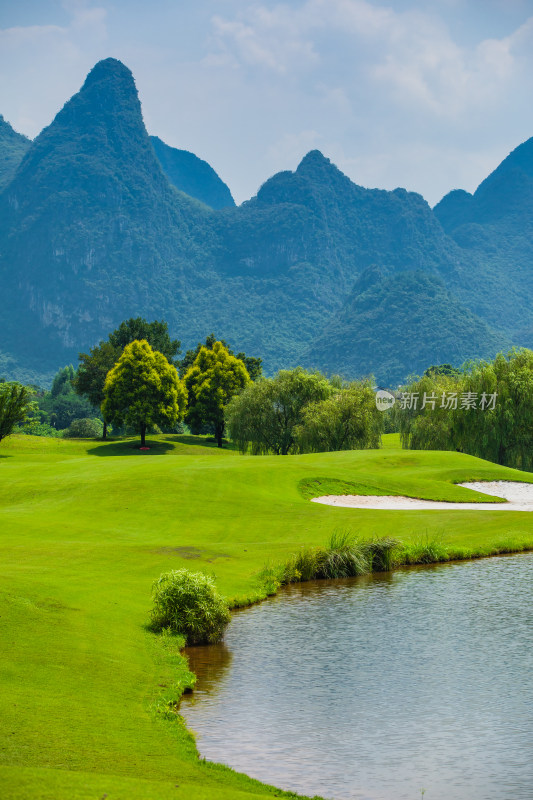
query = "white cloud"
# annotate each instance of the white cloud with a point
(268, 39)
(86, 18)
(287, 151)
(410, 55)
(49, 62)
(396, 92)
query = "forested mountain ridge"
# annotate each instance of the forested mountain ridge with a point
(92, 232)
(13, 146)
(408, 317)
(494, 230)
(192, 175)
(89, 225)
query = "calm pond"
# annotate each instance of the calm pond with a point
(375, 688)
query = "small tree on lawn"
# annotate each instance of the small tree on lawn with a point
(93, 369)
(15, 405)
(143, 389)
(211, 382)
(253, 365)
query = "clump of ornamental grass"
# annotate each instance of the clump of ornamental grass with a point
(303, 565)
(271, 578)
(189, 604)
(344, 556)
(424, 550)
(382, 553)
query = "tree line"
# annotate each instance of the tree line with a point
(484, 409)
(135, 380)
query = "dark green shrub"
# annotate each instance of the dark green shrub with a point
(34, 428)
(188, 603)
(84, 429)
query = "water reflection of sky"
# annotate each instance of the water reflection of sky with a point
(374, 688)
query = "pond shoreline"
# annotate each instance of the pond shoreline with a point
(323, 585)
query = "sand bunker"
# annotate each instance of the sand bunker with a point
(518, 497)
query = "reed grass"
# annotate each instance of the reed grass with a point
(347, 556)
(344, 556)
(424, 549)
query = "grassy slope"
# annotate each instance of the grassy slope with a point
(85, 528)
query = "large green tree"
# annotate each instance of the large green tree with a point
(62, 405)
(155, 333)
(95, 365)
(252, 363)
(143, 389)
(92, 372)
(213, 379)
(265, 417)
(500, 429)
(348, 420)
(424, 411)
(15, 406)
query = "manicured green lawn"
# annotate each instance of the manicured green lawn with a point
(85, 527)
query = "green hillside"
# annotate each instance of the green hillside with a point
(91, 200)
(84, 529)
(192, 175)
(409, 318)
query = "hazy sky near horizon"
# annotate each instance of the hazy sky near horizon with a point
(426, 94)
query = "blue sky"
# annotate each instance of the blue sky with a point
(428, 95)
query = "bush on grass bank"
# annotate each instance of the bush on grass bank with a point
(189, 604)
(86, 428)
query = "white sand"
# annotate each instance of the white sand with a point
(518, 497)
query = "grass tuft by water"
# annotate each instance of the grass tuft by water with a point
(424, 550)
(344, 556)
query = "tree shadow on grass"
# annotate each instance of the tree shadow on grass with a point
(132, 448)
(200, 441)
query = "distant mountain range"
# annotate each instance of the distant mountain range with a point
(99, 222)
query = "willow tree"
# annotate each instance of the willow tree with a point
(265, 417)
(424, 411)
(486, 410)
(348, 420)
(501, 428)
(212, 381)
(143, 389)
